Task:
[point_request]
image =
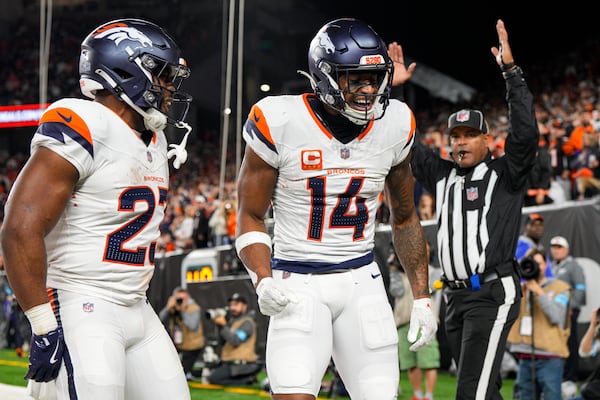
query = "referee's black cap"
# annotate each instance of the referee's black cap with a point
(470, 118)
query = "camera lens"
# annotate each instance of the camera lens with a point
(179, 300)
(530, 269)
(212, 313)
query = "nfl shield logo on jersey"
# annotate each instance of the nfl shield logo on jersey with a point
(472, 194)
(345, 153)
(88, 307)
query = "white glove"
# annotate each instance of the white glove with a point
(422, 321)
(273, 297)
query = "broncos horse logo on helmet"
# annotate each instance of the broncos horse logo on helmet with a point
(343, 46)
(119, 32)
(325, 42)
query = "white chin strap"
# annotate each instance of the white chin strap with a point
(357, 117)
(157, 121)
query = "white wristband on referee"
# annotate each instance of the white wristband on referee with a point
(42, 319)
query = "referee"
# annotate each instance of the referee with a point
(479, 200)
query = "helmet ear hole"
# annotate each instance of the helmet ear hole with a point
(122, 73)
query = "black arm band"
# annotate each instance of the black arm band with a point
(506, 67)
(513, 72)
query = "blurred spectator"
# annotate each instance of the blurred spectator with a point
(566, 268)
(426, 206)
(184, 231)
(586, 168)
(182, 317)
(218, 225)
(230, 217)
(539, 178)
(582, 125)
(201, 233)
(560, 187)
(165, 243)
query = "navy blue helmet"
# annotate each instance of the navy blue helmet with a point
(126, 57)
(343, 46)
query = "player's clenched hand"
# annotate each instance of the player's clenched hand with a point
(273, 297)
(45, 357)
(423, 321)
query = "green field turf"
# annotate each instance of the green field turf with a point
(13, 368)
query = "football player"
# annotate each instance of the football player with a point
(323, 161)
(82, 221)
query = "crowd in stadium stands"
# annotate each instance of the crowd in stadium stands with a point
(567, 92)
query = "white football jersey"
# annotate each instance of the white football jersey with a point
(104, 242)
(327, 192)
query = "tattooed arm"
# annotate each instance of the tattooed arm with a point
(407, 233)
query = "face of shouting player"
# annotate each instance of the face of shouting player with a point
(360, 90)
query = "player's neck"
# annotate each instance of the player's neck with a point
(145, 135)
(339, 126)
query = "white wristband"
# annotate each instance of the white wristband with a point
(248, 238)
(42, 319)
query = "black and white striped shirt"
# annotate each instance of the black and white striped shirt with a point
(478, 209)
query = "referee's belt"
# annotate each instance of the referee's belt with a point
(466, 283)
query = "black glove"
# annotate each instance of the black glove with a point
(45, 356)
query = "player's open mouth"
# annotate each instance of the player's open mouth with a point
(360, 104)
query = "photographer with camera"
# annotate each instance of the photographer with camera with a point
(538, 338)
(182, 318)
(238, 352)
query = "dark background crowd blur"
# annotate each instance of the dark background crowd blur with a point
(561, 67)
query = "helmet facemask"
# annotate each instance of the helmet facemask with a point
(358, 107)
(163, 76)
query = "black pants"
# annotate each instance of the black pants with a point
(571, 371)
(227, 374)
(188, 359)
(590, 390)
(477, 326)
